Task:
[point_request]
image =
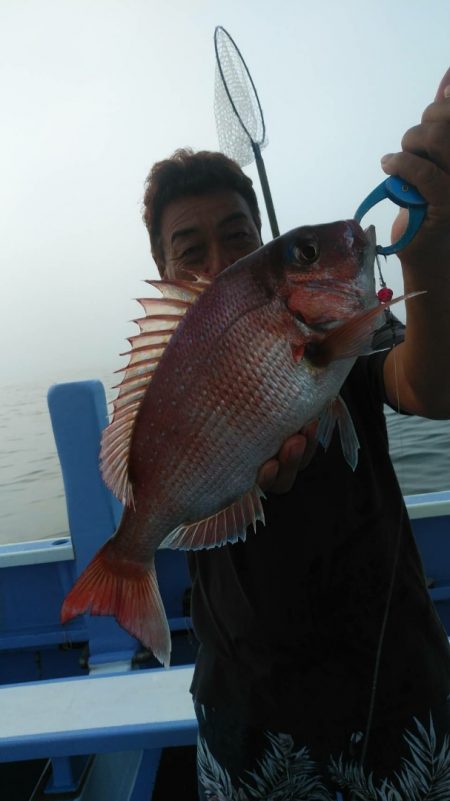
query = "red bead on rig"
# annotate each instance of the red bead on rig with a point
(385, 294)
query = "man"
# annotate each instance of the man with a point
(321, 658)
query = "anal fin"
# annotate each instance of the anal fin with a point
(228, 525)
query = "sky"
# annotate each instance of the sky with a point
(93, 92)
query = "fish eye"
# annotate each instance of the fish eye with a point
(307, 251)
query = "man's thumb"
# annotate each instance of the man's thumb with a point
(442, 86)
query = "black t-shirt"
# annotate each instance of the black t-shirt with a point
(289, 621)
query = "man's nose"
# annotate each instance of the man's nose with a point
(218, 259)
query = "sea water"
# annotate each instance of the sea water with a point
(32, 502)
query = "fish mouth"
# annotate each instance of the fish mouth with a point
(367, 272)
(322, 327)
(370, 235)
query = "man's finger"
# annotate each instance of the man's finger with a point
(430, 141)
(267, 474)
(445, 81)
(430, 180)
(278, 475)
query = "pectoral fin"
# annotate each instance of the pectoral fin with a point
(352, 338)
(337, 412)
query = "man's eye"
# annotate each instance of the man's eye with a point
(238, 235)
(194, 250)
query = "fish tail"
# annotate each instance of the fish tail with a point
(110, 585)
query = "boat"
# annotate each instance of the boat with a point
(38, 655)
(57, 681)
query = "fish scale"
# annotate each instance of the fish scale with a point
(234, 380)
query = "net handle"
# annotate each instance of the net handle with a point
(266, 190)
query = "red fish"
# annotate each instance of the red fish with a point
(220, 375)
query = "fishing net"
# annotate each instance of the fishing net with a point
(239, 119)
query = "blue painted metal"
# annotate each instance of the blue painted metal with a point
(101, 741)
(403, 194)
(30, 598)
(78, 413)
(145, 780)
(33, 644)
(433, 540)
(67, 774)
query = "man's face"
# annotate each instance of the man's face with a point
(206, 233)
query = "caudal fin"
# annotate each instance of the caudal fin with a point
(127, 590)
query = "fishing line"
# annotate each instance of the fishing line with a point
(381, 643)
(390, 320)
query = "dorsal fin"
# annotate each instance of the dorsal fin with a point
(162, 316)
(182, 290)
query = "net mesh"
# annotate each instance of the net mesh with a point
(238, 114)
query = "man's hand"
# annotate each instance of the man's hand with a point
(278, 474)
(425, 162)
(416, 373)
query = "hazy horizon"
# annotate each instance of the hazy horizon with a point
(94, 92)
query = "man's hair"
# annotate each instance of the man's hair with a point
(187, 173)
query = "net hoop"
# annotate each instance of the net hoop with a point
(217, 31)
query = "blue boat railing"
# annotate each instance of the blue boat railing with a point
(35, 577)
(430, 517)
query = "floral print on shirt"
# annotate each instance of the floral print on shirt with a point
(285, 774)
